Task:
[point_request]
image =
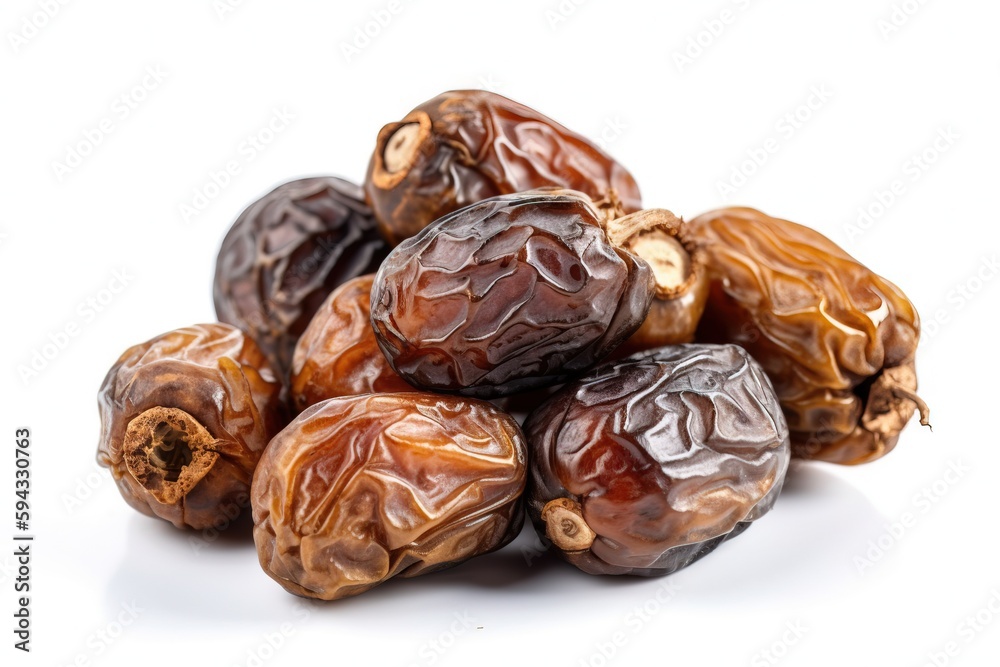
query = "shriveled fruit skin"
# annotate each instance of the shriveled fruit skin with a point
(363, 488)
(210, 379)
(471, 145)
(658, 458)
(837, 340)
(337, 354)
(286, 252)
(513, 293)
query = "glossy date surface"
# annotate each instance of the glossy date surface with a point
(646, 464)
(837, 340)
(510, 294)
(337, 354)
(184, 419)
(286, 252)
(468, 145)
(360, 489)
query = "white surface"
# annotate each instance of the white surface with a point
(607, 69)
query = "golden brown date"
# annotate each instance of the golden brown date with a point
(184, 419)
(337, 354)
(644, 465)
(360, 489)
(286, 252)
(468, 145)
(509, 294)
(837, 340)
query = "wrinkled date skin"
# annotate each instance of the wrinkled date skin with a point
(837, 340)
(184, 419)
(647, 464)
(337, 355)
(468, 145)
(360, 489)
(284, 255)
(510, 294)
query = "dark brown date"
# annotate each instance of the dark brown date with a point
(512, 293)
(284, 255)
(837, 340)
(184, 419)
(647, 464)
(468, 145)
(337, 355)
(360, 489)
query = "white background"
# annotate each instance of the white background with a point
(881, 94)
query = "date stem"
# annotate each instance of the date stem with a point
(565, 525)
(651, 234)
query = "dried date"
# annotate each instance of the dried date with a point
(512, 293)
(286, 252)
(837, 340)
(184, 419)
(647, 464)
(337, 355)
(468, 145)
(360, 489)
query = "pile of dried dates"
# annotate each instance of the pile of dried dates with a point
(376, 341)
